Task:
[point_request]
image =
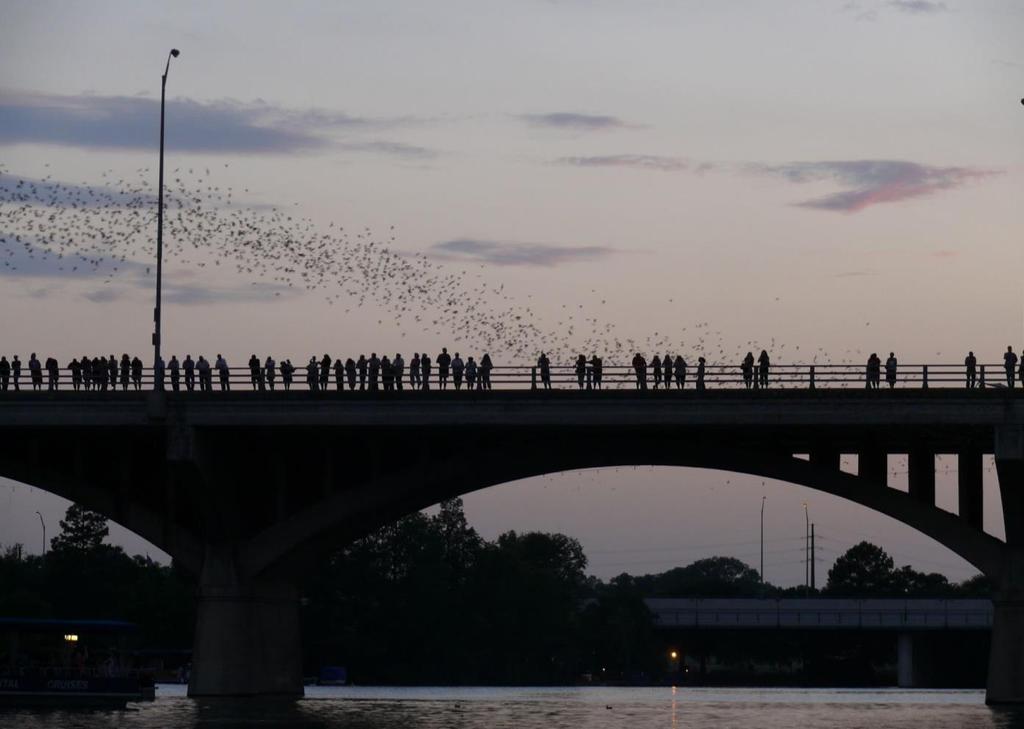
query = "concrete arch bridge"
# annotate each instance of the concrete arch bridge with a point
(242, 488)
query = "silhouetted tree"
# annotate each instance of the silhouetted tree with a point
(81, 530)
(710, 577)
(864, 570)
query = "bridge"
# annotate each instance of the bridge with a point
(244, 488)
(909, 619)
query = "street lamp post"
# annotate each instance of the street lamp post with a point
(160, 212)
(763, 498)
(43, 524)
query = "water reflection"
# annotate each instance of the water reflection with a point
(594, 708)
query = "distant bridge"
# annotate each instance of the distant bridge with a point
(896, 614)
(245, 489)
(911, 620)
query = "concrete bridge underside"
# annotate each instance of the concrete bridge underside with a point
(243, 489)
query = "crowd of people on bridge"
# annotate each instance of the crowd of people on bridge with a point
(373, 373)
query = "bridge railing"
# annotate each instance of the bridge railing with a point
(527, 377)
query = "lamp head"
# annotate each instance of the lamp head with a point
(175, 52)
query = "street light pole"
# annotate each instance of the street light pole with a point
(43, 523)
(762, 538)
(160, 212)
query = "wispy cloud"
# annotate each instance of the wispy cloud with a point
(390, 149)
(636, 161)
(873, 182)
(918, 7)
(195, 295)
(132, 123)
(35, 265)
(574, 121)
(504, 253)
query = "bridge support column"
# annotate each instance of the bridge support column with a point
(969, 487)
(1006, 657)
(247, 634)
(873, 466)
(905, 660)
(921, 476)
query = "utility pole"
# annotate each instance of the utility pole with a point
(807, 547)
(812, 557)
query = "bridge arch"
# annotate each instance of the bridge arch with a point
(350, 515)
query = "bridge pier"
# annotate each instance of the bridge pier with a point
(1006, 657)
(247, 639)
(905, 660)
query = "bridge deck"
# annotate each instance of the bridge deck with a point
(912, 614)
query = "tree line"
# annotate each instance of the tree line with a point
(427, 600)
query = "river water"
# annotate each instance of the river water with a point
(550, 708)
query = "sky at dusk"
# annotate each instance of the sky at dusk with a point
(824, 179)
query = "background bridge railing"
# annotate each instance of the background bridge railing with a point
(527, 377)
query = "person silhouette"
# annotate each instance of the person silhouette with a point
(656, 371)
(971, 368)
(52, 374)
(874, 371)
(339, 374)
(287, 373)
(174, 368)
(747, 367)
(159, 370)
(35, 372)
(362, 366)
(312, 375)
(485, 371)
(205, 374)
(223, 372)
(136, 373)
(325, 372)
(350, 373)
(99, 373)
(74, 366)
(86, 372)
(763, 364)
(597, 368)
(640, 369)
(890, 370)
(254, 373)
(425, 370)
(15, 372)
(190, 373)
(5, 373)
(387, 373)
(443, 361)
(373, 368)
(112, 372)
(126, 371)
(399, 366)
(270, 371)
(1009, 363)
(581, 370)
(414, 371)
(470, 374)
(458, 367)
(701, 362)
(680, 372)
(544, 364)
